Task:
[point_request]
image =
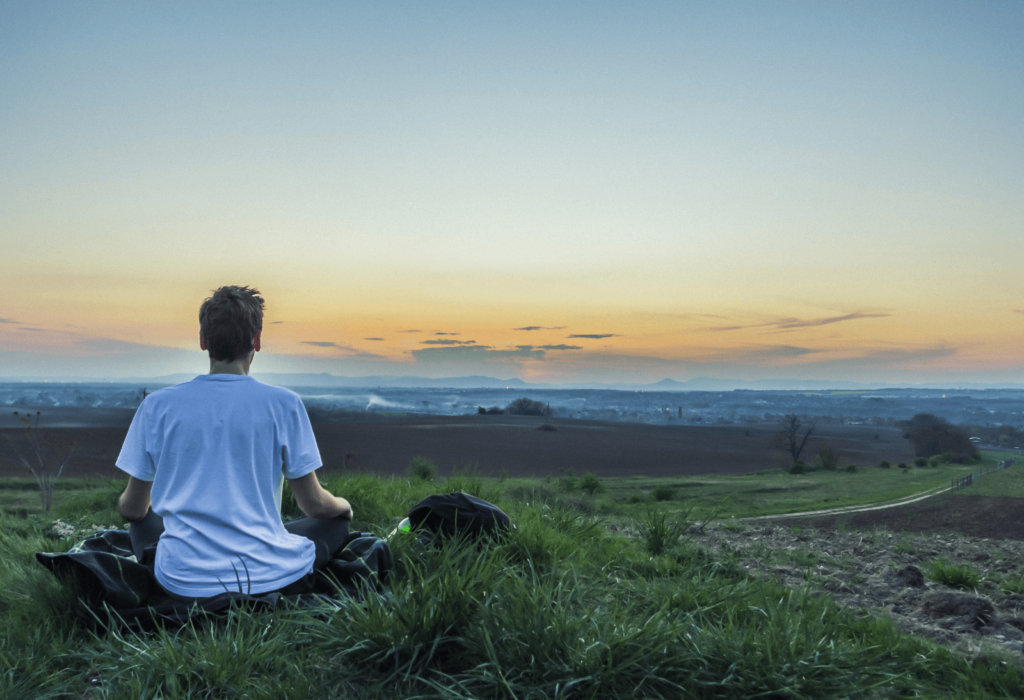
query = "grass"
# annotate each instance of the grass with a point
(961, 577)
(560, 608)
(1008, 482)
(775, 492)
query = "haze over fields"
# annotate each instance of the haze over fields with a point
(559, 193)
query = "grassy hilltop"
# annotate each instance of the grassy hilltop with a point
(601, 592)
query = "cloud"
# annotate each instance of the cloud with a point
(1016, 311)
(412, 330)
(561, 347)
(540, 328)
(796, 323)
(462, 355)
(350, 352)
(441, 333)
(446, 341)
(785, 324)
(38, 330)
(274, 323)
(8, 320)
(593, 336)
(373, 339)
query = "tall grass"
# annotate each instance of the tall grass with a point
(558, 608)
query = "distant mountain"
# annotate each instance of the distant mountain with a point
(329, 380)
(326, 381)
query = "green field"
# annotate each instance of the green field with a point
(562, 607)
(761, 493)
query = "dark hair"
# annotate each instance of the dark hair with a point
(229, 319)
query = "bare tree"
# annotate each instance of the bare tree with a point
(45, 478)
(789, 437)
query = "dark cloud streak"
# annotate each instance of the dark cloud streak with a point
(786, 324)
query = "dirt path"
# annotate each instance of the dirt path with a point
(855, 509)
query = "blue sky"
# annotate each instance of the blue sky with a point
(651, 174)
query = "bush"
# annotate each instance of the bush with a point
(663, 493)
(934, 461)
(903, 465)
(827, 458)
(527, 407)
(884, 465)
(591, 485)
(421, 468)
(920, 462)
(960, 577)
(797, 468)
(852, 468)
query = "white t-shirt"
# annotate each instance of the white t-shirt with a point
(217, 450)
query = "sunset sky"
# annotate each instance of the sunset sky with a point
(558, 192)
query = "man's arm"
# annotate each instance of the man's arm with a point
(134, 502)
(316, 501)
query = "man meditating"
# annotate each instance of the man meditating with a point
(211, 456)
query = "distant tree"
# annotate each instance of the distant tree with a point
(932, 435)
(527, 407)
(789, 436)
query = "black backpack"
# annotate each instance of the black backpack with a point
(459, 513)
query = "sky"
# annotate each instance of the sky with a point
(559, 192)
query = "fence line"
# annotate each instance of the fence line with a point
(965, 481)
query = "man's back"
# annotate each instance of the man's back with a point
(217, 450)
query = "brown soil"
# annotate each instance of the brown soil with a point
(510, 444)
(878, 571)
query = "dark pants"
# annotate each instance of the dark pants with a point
(327, 536)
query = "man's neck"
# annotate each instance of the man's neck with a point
(240, 365)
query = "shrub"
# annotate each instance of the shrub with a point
(934, 461)
(657, 532)
(920, 462)
(591, 485)
(527, 407)
(903, 465)
(827, 458)
(567, 482)
(422, 468)
(884, 465)
(852, 468)
(797, 468)
(663, 493)
(960, 577)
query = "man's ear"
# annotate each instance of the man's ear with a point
(202, 342)
(256, 341)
